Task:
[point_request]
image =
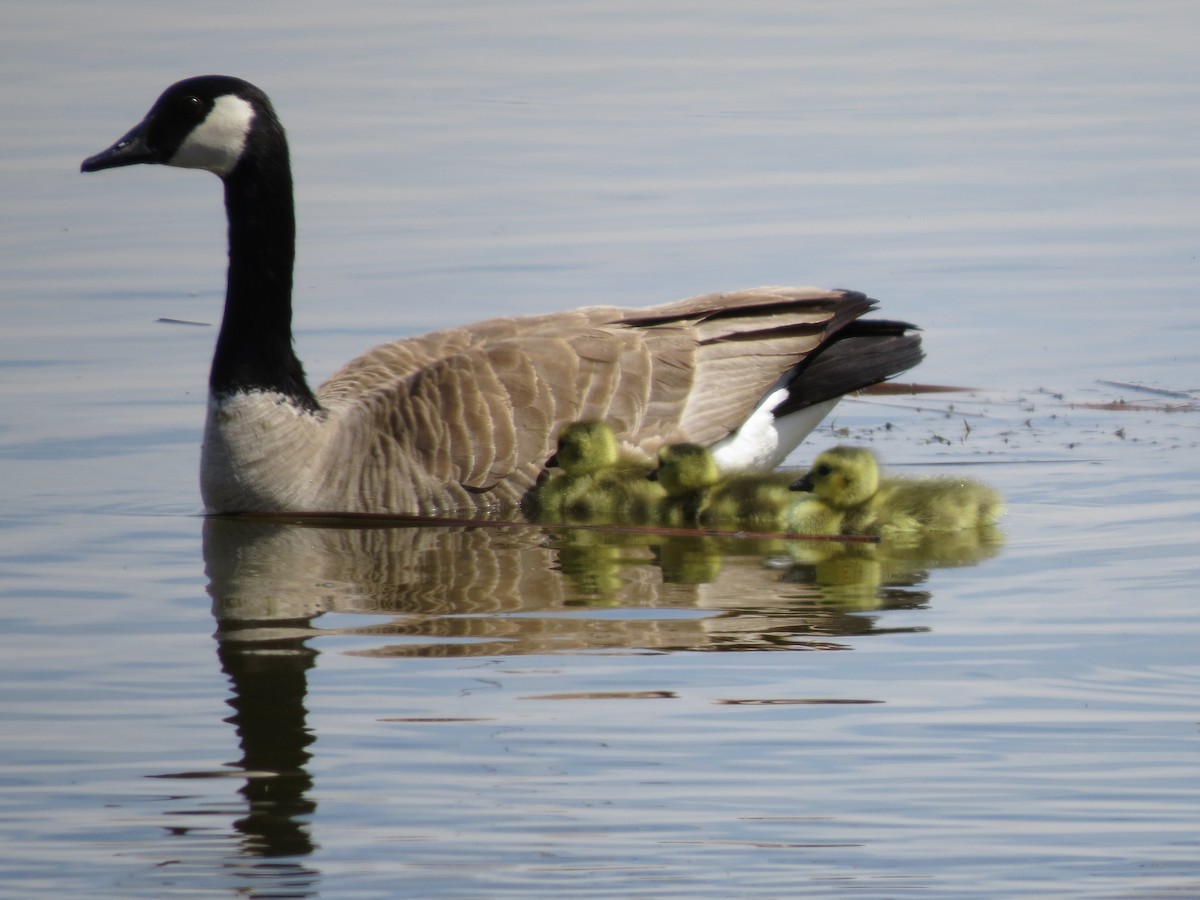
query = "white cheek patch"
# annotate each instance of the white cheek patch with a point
(216, 143)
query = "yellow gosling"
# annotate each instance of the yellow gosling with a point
(811, 515)
(697, 493)
(848, 480)
(595, 481)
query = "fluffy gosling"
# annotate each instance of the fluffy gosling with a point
(595, 481)
(847, 479)
(697, 493)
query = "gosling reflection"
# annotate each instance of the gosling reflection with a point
(887, 574)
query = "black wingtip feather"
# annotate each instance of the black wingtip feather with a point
(862, 354)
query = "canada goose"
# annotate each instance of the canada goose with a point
(848, 479)
(595, 481)
(697, 491)
(463, 419)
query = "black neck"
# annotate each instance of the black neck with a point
(254, 350)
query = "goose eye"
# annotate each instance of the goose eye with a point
(823, 469)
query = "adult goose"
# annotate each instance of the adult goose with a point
(462, 420)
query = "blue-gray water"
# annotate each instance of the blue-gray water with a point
(229, 709)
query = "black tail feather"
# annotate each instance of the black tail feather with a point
(863, 353)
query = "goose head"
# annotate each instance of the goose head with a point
(842, 477)
(227, 126)
(207, 122)
(585, 448)
(685, 469)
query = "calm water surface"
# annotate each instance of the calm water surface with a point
(230, 708)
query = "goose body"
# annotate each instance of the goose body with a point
(848, 480)
(595, 481)
(464, 419)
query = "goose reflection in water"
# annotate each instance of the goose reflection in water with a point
(457, 590)
(514, 590)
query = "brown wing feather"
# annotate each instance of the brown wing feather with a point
(479, 407)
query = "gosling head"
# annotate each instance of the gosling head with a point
(842, 476)
(685, 468)
(585, 448)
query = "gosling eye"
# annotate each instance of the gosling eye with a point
(824, 469)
